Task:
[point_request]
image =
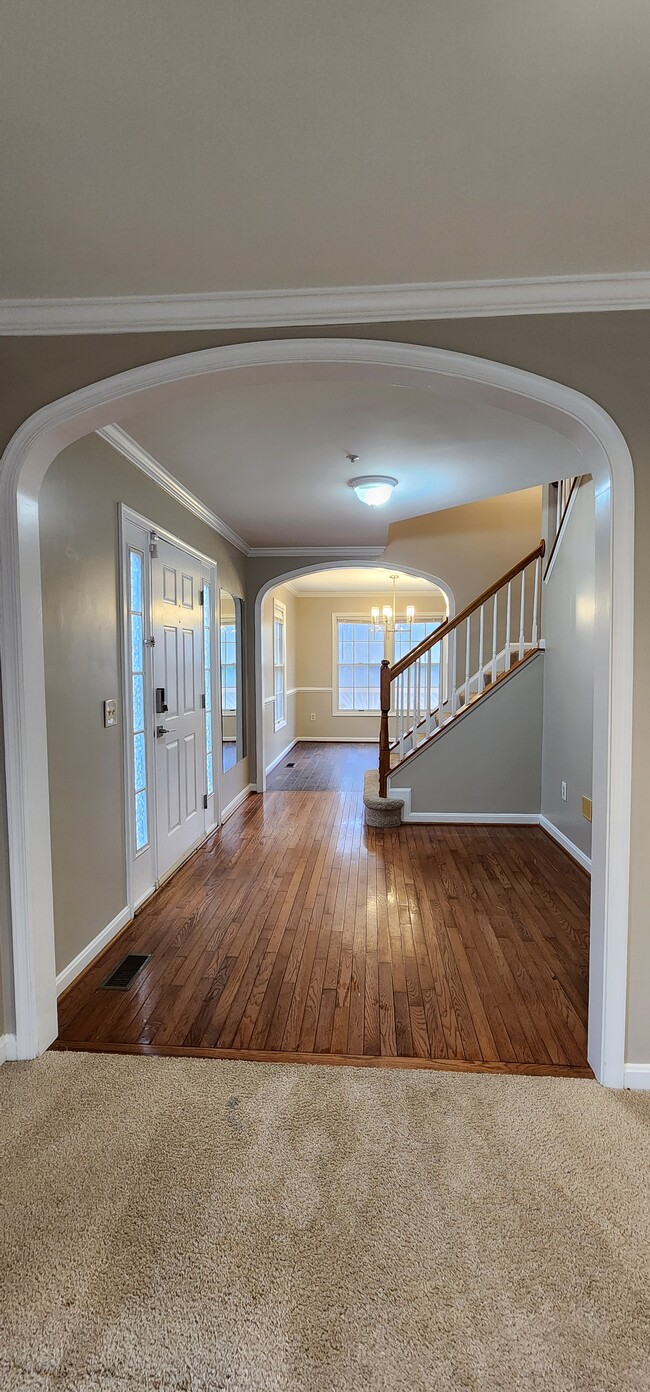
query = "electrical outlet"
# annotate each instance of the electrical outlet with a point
(313, 715)
(586, 808)
(563, 791)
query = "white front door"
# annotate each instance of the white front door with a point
(179, 733)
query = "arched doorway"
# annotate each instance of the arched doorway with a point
(606, 457)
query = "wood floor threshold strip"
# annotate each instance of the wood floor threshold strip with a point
(536, 1070)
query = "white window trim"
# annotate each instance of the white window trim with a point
(280, 612)
(389, 649)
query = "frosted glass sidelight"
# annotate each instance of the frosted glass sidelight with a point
(141, 829)
(210, 778)
(137, 663)
(139, 763)
(136, 582)
(208, 690)
(138, 703)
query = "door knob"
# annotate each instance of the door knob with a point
(161, 730)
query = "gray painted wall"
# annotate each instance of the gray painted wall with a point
(568, 628)
(490, 760)
(80, 574)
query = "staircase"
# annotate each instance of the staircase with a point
(433, 686)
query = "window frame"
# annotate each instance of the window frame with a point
(280, 616)
(389, 652)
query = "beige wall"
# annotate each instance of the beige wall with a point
(80, 574)
(568, 628)
(315, 660)
(604, 355)
(489, 761)
(276, 741)
(469, 547)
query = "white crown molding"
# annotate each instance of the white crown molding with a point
(347, 304)
(365, 553)
(118, 438)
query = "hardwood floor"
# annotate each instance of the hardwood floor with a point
(296, 930)
(312, 767)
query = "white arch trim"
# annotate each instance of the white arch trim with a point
(313, 569)
(572, 414)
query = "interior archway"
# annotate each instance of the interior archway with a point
(569, 413)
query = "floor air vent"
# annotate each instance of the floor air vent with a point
(128, 968)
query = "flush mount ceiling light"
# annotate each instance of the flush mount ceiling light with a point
(373, 489)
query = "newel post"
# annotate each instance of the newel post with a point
(384, 738)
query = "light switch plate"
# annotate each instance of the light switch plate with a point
(110, 712)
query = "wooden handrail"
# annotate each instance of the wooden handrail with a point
(560, 531)
(450, 624)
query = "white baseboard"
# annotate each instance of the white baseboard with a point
(84, 958)
(637, 1076)
(280, 757)
(237, 801)
(462, 818)
(335, 739)
(562, 840)
(7, 1047)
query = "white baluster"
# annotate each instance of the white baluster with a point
(429, 697)
(481, 635)
(468, 657)
(522, 616)
(452, 660)
(535, 633)
(409, 681)
(508, 613)
(416, 721)
(400, 711)
(494, 638)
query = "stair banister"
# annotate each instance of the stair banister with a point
(446, 635)
(450, 624)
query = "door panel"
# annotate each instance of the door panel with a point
(180, 739)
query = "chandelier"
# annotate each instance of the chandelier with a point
(388, 620)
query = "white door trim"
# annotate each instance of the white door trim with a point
(572, 414)
(127, 516)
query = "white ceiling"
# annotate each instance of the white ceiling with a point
(270, 459)
(367, 580)
(217, 145)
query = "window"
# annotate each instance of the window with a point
(408, 638)
(359, 652)
(136, 637)
(279, 665)
(228, 666)
(207, 677)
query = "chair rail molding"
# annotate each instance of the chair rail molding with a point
(343, 304)
(23, 466)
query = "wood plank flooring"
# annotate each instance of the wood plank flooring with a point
(298, 931)
(334, 767)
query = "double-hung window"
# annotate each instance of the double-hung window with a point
(228, 633)
(409, 637)
(360, 648)
(359, 651)
(279, 665)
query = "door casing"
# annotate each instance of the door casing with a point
(132, 524)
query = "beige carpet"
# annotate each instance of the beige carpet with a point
(181, 1224)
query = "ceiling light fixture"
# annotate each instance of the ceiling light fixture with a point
(372, 489)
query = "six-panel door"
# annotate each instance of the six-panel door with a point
(178, 685)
